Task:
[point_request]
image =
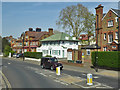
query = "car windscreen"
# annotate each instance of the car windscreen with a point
(53, 59)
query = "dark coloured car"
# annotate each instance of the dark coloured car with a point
(50, 62)
(20, 55)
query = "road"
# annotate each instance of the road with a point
(25, 75)
(21, 77)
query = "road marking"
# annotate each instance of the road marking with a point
(6, 80)
(8, 63)
(5, 66)
(63, 83)
(60, 82)
(95, 77)
(43, 74)
(84, 74)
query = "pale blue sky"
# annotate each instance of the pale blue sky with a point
(17, 17)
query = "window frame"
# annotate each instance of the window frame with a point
(88, 50)
(105, 36)
(110, 23)
(109, 38)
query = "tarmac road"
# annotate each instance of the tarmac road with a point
(21, 77)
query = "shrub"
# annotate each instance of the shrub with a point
(12, 52)
(7, 50)
(36, 55)
(48, 56)
(107, 59)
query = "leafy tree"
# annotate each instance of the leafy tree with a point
(7, 50)
(89, 25)
(72, 19)
(4, 43)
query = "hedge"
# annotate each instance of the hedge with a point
(36, 55)
(109, 59)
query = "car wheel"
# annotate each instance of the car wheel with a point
(42, 66)
(51, 68)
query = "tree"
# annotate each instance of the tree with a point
(89, 25)
(4, 43)
(7, 50)
(72, 19)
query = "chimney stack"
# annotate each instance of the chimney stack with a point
(99, 12)
(50, 31)
(30, 29)
(38, 29)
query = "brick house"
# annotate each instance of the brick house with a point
(107, 26)
(31, 40)
(84, 39)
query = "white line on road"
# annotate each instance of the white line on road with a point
(84, 74)
(95, 77)
(43, 74)
(60, 82)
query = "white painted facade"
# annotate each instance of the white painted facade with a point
(57, 48)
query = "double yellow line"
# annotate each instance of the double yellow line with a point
(6, 80)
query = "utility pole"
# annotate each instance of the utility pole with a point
(23, 44)
(96, 55)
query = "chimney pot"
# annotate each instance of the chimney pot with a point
(50, 30)
(30, 29)
(38, 29)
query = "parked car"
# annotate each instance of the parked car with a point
(50, 62)
(19, 55)
(14, 55)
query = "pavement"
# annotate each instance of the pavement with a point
(86, 68)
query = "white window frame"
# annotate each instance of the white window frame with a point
(104, 36)
(113, 46)
(110, 38)
(88, 50)
(116, 19)
(104, 48)
(110, 23)
(25, 50)
(116, 35)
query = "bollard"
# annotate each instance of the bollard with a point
(57, 70)
(89, 79)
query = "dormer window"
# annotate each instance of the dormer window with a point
(110, 23)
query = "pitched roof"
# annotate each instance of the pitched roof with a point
(36, 35)
(116, 11)
(85, 36)
(60, 37)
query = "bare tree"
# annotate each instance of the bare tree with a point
(72, 19)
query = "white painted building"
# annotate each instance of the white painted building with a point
(57, 45)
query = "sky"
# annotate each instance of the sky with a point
(17, 17)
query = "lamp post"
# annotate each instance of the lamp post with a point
(119, 33)
(96, 55)
(23, 36)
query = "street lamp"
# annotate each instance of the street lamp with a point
(119, 32)
(23, 36)
(96, 56)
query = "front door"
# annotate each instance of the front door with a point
(50, 52)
